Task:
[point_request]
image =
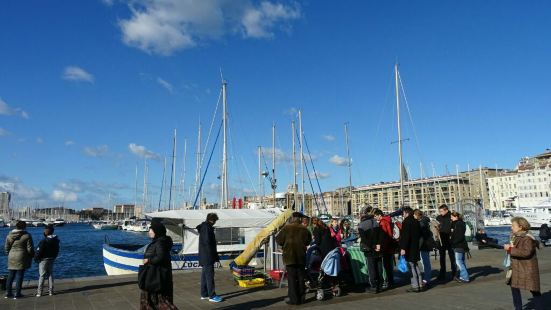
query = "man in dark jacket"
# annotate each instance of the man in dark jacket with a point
(370, 237)
(208, 256)
(445, 230)
(45, 255)
(409, 248)
(294, 238)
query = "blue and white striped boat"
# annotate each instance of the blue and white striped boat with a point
(234, 229)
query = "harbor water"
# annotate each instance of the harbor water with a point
(80, 252)
(81, 248)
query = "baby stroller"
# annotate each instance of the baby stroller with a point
(313, 266)
(329, 276)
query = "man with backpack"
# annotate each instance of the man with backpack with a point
(445, 230)
(369, 233)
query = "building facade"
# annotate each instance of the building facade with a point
(5, 198)
(126, 211)
(503, 191)
(427, 193)
(534, 179)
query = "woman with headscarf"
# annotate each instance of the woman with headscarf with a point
(157, 253)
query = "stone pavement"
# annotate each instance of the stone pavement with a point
(486, 291)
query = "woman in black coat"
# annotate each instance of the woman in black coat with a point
(323, 239)
(157, 253)
(459, 246)
(409, 248)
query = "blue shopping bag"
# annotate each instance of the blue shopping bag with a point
(507, 261)
(402, 264)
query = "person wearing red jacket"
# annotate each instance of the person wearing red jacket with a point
(387, 246)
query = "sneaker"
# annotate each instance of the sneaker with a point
(413, 290)
(8, 296)
(457, 279)
(17, 296)
(463, 280)
(51, 293)
(215, 298)
(38, 295)
(204, 298)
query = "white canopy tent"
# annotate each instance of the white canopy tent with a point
(249, 222)
(226, 217)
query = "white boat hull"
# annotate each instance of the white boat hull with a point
(118, 261)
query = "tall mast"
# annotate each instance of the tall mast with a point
(162, 185)
(173, 173)
(458, 181)
(349, 165)
(274, 180)
(136, 190)
(224, 198)
(183, 188)
(260, 175)
(399, 136)
(294, 164)
(145, 185)
(198, 163)
(301, 158)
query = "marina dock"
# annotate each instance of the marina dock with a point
(486, 291)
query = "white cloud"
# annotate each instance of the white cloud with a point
(143, 152)
(166, 85)
(69, 143)
(98, 151)
(338, 160)
(321, 175)
(165, 26)
(39, 140)
(22, 191)
(280, 155)
(293, 112)
(63, 196)
(4, 132)
(108, 2)
(5, 109)
(329, 138)
(74, 73)
(258, 22)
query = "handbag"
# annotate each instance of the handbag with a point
(402, 264)
(149, 278)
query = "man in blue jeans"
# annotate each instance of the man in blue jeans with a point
(427, 245)
(46, 253)
(208, 256)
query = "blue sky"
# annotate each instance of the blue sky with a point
(89, 89)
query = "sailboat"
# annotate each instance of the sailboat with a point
(235, 227)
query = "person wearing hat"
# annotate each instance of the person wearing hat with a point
(45, 255)
(158, 253)
(208, 256)
(294, 238)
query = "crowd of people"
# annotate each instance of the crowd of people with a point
(413, 239)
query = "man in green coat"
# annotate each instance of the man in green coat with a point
(20, 249)
(294, 238)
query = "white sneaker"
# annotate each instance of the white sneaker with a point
(38, 295)
(204, 298)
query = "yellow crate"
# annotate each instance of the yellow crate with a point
(256, 282)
